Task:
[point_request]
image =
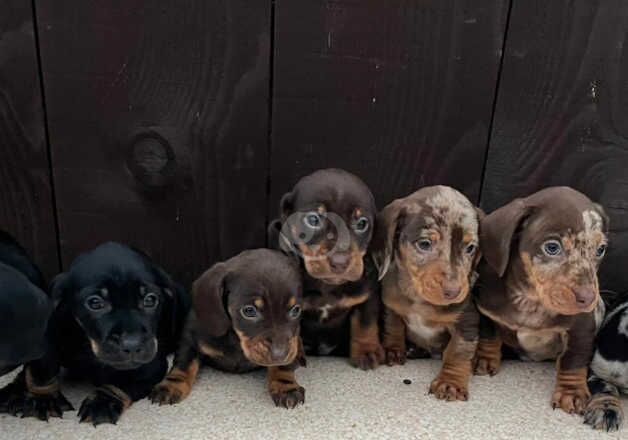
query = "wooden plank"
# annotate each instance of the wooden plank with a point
(158, 125)
(398, 92)
(562, 111)
(26, 207)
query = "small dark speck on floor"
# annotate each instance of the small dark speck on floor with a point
(407, 381)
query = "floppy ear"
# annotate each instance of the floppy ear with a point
(383, 241)
(277, 239)
(605, 219)
(208, 298)
(286, 205)
(497, 230)
(59, 287)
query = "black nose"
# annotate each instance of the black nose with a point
(339, 261)
(131, 344)
(585, 295)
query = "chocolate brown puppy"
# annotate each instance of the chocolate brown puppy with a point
(327, 221)
(246, 315)
(426, 249)
(538, 290)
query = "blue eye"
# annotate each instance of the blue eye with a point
(313, 220)
(552, 248)
(249, 312)
(295, 312)
(601, 251)
(470, 249)
(424, 245)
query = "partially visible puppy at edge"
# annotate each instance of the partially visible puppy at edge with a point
(118, 316)
(608, 374)
(326, 222)
(245, 316)
(426, 249)
(538, 291)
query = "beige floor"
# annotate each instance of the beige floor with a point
(341, 403)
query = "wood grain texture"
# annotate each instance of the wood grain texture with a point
(158, 125)
(398, 92)
(562, 112)
(26, 209)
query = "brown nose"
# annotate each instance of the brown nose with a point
(585, 295)
(339, 262)
(279, 349)
(451, 290)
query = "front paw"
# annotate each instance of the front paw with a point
(486, 366)
(288, 398)
(367, 357)
(604, 413)
(446, 388)
(169, 392)
(101, 408)
(572, 400)
(395, 355)
(16, 400)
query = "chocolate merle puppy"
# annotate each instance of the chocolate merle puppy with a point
(327, 222)
(117, 318)
(608, 375)
(538, 290)
(246, 316)
(24, 307)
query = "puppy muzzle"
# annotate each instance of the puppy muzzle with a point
(126, 352)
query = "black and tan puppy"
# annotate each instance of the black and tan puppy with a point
(426, 249)
(538, 290)
(327, 222)
(117, 318)
(246, 315)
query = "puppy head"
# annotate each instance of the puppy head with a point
(327, 219)
(550, 243)
(121, 301)
(432, 236)
(258, 294)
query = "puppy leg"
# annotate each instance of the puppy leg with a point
(283, 387)
(366, 352)
(604, 411)
(488, 358)
(177, 385)
(394, 338)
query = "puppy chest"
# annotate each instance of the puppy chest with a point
(540, 345)
(428, 337)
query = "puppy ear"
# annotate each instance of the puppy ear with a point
(384, 237)
(286, 205)
(208, 298)
(59, 287)
(497, 230)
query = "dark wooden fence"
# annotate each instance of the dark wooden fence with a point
(175, 126)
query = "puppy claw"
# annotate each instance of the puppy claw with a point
(169, 393)
(604, 414)
(289, 398)
(368, 358)
(486, 366)
(571, 400)
(100, 408)
(444, 389)
(395, 356)
(18, 402)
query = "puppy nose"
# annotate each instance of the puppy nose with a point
(585, 295)
(278, 350)
(339, 261)
(451, 290)
(131, 344)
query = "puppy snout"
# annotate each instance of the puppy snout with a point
(451, 290)
(132, 344)
(339, 262)
(585, 295)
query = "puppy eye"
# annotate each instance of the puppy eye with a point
(313, 220)
(361, 225)
(470, 249)
(295, 311)
(552, 248)
(249, 312)
(95, 303)
(150, 300)
(424, 245)
(601, 251)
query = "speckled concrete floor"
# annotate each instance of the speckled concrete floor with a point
(341, 403)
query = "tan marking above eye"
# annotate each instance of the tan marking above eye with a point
(468, 238)
(434, 236)
(321, 209)
(259, 303)
(292, 301)
(357, 213)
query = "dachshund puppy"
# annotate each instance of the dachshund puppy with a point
(118, 316)
(327, 223)
(608, 376)
(426, 249)
(24, 307)
(538, 291)
(246, 315)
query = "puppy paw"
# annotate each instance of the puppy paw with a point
(395, 355)
(169, 392)
(17, 401)
(288, 398)
(367, 357)
(486, 366)
(604, 413)
(447, 389)
(572, 400)
(101, 407)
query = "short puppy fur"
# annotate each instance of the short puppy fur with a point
(538, 290)
(426, 249)
(327, 222)
(246, 315)
(118, 316)
(608, 374)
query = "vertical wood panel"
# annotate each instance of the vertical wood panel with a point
(26, 208)
(562, 111)
(158, 125)
(398, 92)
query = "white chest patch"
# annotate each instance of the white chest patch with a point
(615, 372)
(324, 311)
(419, 333)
